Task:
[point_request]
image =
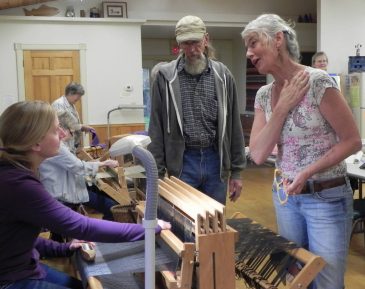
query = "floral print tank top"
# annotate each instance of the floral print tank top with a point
(306, 135)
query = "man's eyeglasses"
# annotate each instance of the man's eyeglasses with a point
(194, 44)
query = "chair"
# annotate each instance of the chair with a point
(358, 225)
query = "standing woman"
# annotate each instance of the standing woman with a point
(299, 112)
(30, 133)
(67, 103)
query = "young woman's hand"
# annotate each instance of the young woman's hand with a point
(76, 244)
(164, 225)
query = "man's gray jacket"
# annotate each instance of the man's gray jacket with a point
(166, 122)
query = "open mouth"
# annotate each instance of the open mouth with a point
(255, 61)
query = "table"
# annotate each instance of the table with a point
(354, 171)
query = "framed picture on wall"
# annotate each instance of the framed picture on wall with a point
(115, 9)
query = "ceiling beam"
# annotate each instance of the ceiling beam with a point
(6, 4)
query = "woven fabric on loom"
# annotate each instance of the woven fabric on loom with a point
(181, 225)
(118, 262)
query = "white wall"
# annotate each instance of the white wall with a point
(114, 50)
(341, 27)
(113, 60)
(217, 10)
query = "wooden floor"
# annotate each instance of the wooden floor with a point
(256, 203)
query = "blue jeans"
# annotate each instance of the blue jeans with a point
(201, 170)
(320, 222)
(53, 280)
(101, 202)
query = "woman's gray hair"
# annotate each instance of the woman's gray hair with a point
(267, 25)
(66, 120)
(74, 88)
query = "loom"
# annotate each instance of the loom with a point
(208, 251)
(199, 242)
(264, 259)
(203, 249)
(113, 181)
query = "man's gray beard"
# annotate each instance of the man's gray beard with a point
(196, 67)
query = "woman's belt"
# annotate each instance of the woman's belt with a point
(313, 186)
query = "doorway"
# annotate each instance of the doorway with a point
(44, 70)
(47, 72)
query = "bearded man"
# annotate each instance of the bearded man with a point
(195, 124)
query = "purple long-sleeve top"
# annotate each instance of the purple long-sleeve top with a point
(49, 248)
(25, 208)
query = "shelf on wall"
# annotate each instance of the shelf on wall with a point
(5, 18)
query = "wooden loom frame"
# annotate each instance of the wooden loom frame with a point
(115, 186)
(213, 249)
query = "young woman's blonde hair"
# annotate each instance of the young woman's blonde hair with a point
(23, 125)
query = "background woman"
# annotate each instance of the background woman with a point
(67, 103)
(30, 133)
(299, 112)
(320, 60)
(63, 176)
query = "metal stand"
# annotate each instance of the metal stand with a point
(120, 107)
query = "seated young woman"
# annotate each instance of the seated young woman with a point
(29, 134)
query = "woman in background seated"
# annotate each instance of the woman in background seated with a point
(63, 176)
(320, 60)
(304, 114)
(29, 134)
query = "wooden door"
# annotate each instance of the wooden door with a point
(46, 74)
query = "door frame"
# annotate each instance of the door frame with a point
(81, 47)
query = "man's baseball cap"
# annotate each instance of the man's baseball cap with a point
(190, 28)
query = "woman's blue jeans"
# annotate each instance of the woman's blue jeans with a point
(101, 202)
(53, 280)
(201, 170)
(320, 222)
